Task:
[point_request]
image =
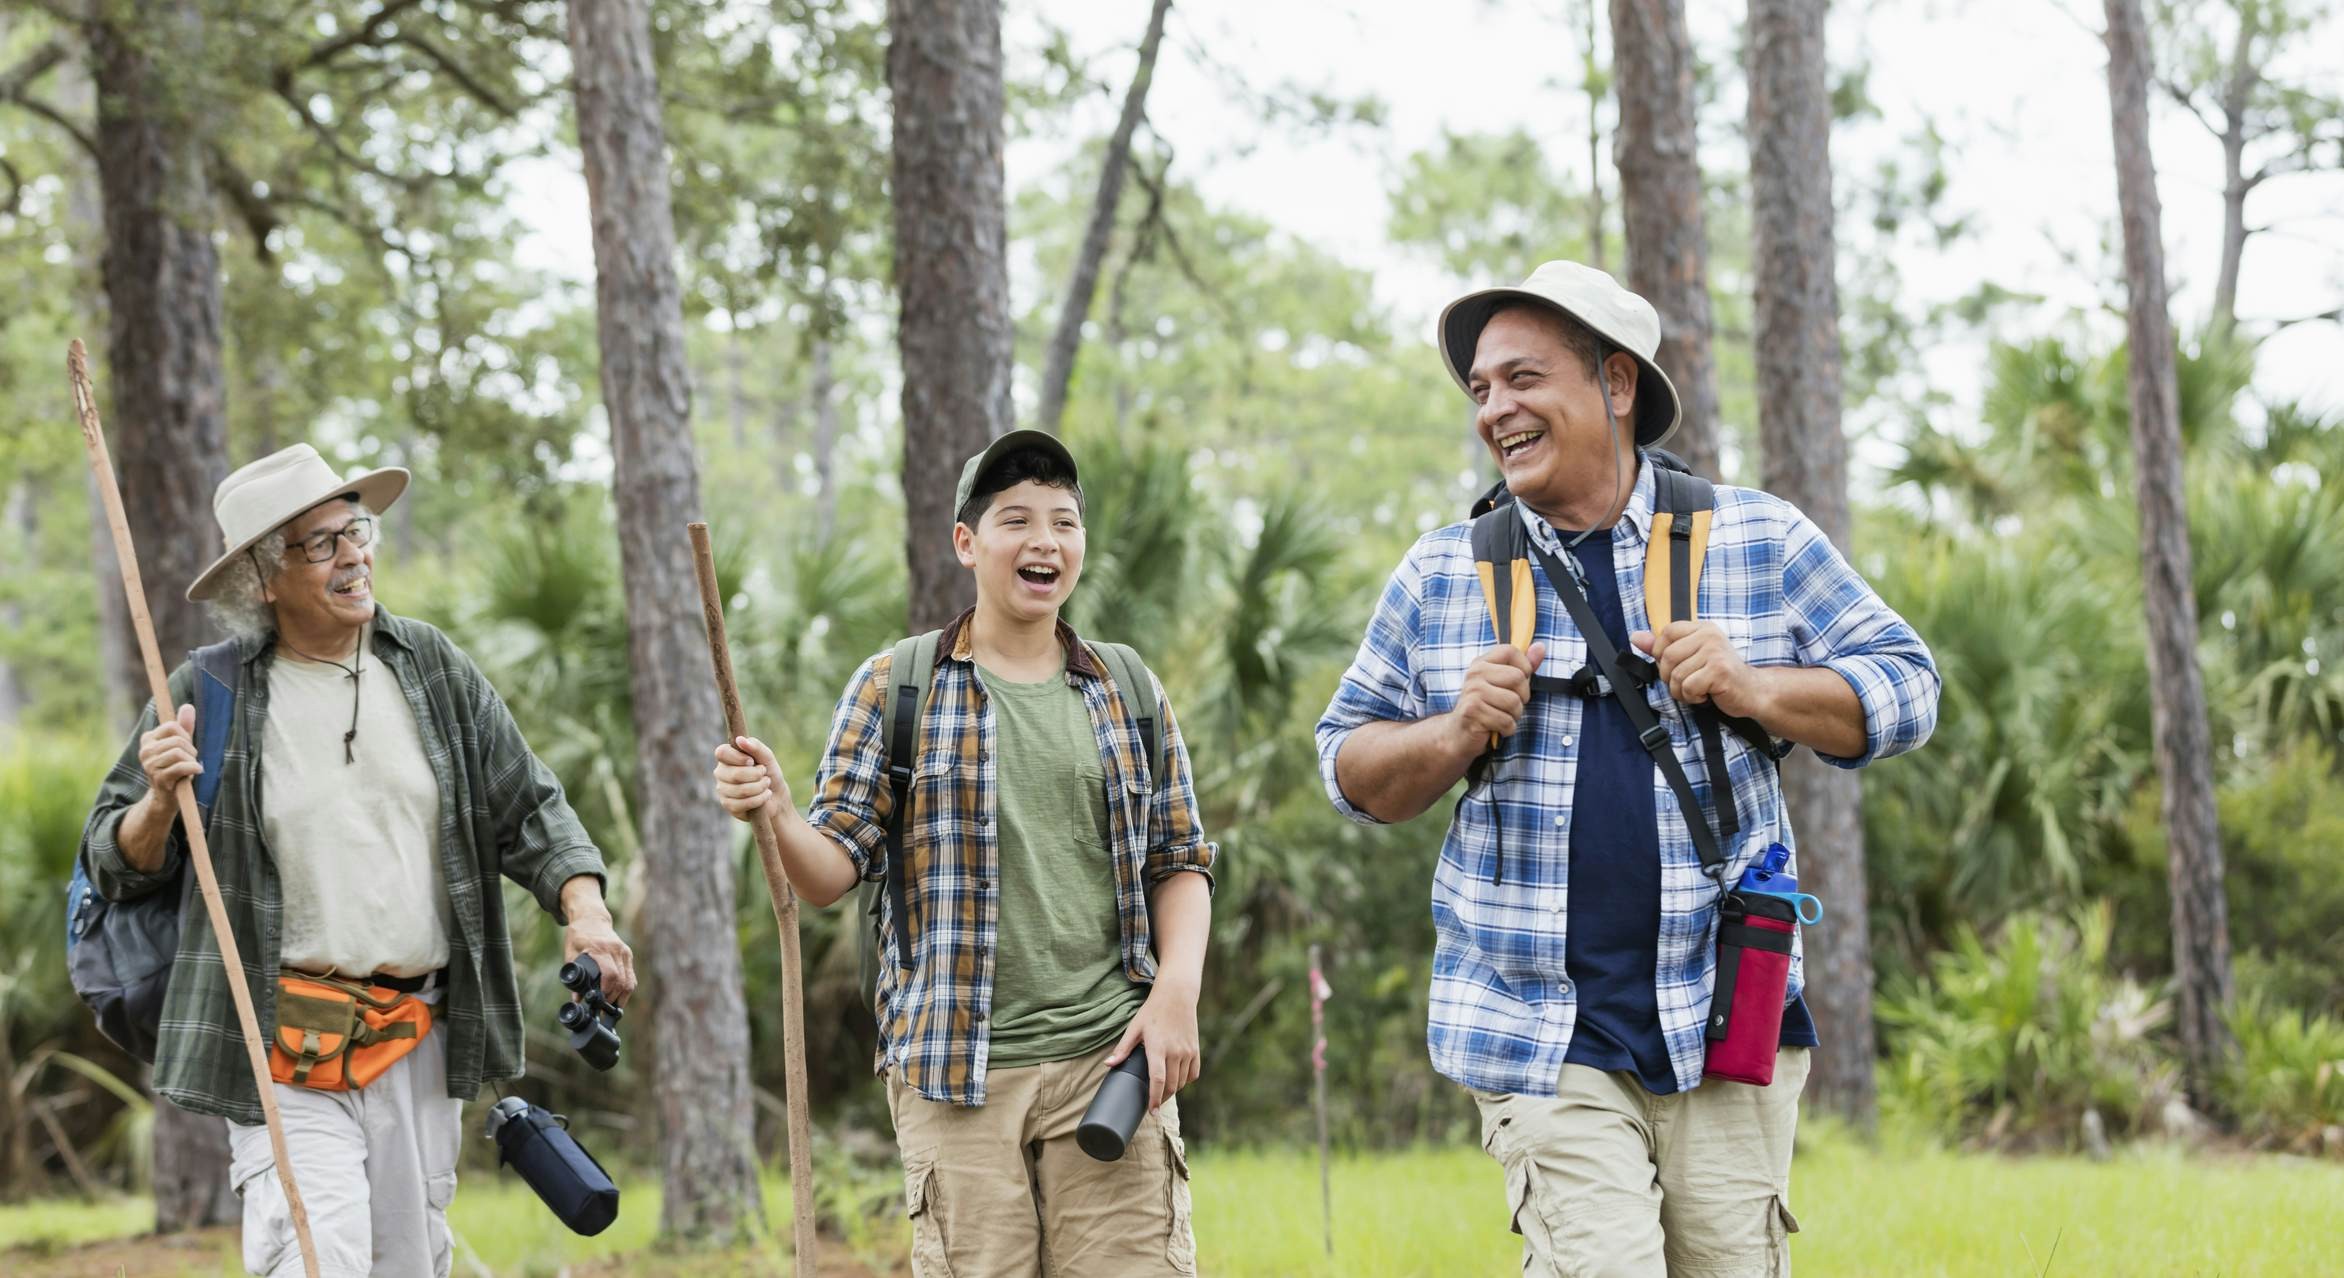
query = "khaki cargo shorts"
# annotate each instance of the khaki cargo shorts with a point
(1607, 1180)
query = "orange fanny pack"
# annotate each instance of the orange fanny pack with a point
(335, 1035)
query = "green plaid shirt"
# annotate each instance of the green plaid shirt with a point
(933, 1026)
(501, 811)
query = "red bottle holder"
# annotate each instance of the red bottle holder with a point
(1754, 935)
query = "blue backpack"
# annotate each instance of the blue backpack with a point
(119, 953)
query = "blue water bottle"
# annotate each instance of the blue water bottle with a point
(1770, 874)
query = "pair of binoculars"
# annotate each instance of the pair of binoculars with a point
(591, 1019)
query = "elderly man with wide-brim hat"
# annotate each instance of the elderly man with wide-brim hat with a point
(1576, 930)
(372, 791)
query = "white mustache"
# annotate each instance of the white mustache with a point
(342, 579)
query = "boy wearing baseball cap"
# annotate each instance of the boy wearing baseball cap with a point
(1048, 896)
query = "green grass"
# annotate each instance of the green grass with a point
(70, 1222)
(1916, 1211)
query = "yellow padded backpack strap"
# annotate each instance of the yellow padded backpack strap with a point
(1501, 558)
(1681, 510)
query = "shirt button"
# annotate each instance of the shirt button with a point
(1562, 821)
(1566, 741)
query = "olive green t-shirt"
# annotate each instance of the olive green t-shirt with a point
(1058, 985)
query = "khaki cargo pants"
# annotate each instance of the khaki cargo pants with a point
(1607, 1180)
(376, 1168)
(1001, 1190)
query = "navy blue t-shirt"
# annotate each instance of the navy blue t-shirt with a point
(1613, 943)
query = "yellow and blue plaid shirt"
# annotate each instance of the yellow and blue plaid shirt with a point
(933, 1023)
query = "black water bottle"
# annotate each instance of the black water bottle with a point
(1115, 1112)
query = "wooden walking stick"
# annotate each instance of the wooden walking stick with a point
(785, 917)
(199, 850)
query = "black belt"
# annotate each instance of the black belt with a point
(403, 984)
(410, 984)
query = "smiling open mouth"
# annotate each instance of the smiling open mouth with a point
(1520, 442)
(1039, 574)
(352, 588)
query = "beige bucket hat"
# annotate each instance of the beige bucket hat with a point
(1591, 297)
(262, 496)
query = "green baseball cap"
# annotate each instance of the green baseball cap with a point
(1003, 447)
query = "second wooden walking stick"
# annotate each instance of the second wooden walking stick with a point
(199, 849)
(785, 916)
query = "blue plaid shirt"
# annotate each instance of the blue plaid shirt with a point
(1502, 1010)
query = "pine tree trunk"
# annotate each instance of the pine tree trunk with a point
(951, 272)
(822, 388)
(2177, 698)
(1066, 340)
(166, 420)
(191, 1171)
(2237, 93)
(22, 519)
(1660, 207)
(1595, 246)
(1804, 461)
(700, 1025)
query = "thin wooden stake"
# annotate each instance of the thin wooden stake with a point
(1318, 1084)
(785, 917)
(199, 850)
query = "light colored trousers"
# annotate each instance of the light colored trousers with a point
(1001, 1190)
(1606, 1180)
(376, 1168)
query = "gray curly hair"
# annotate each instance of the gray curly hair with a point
(240, 603)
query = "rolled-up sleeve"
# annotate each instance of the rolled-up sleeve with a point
(851, 797)
(1381, 686)
(1176, 841)
(1840, 623)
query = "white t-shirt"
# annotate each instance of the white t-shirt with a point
(356, 843)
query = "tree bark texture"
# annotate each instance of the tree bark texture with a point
(2237, 93)
(822, 389)
(1595, 248)
(2201, 929)
(1083, 285)
(169, 418)
(191, 1171)
(700, 1026)
(169, 411)
(951, 272)
(1803, 458)
(1660, 207)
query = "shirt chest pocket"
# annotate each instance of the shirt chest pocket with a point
(948, 814)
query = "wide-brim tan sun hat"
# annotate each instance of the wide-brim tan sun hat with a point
(1621, 318)
(261, 497)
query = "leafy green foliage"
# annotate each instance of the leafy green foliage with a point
(2015, 1038)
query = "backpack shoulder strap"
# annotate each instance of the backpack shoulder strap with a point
(911, 672)
(1501, 558)
(1138, 689)
(219, 677)
(1682, 504)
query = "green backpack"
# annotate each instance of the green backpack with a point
(911, 678)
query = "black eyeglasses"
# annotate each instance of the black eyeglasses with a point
(319, 547)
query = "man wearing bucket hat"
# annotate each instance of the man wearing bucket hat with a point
(371, 791)
(1576, 929)
(1048, 896)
